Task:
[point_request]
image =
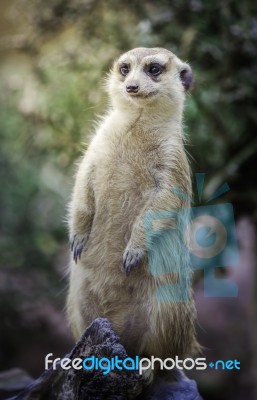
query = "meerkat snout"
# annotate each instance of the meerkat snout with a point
(132, 87)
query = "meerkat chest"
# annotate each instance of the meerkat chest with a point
(130, 163)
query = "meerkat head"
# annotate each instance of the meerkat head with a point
(146, 77)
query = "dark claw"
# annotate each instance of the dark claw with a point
(131, 260)
(72, 243)
(77, 246)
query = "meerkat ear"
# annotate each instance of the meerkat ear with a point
(186, 77)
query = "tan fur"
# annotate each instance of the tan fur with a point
(134, 160)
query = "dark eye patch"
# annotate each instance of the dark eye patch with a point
(124, 69)
(154, 69)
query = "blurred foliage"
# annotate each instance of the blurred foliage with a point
(54, 57)
(51, 91)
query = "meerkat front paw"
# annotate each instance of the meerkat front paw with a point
(131, 259)
(77, 245)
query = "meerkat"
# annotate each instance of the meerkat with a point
(134, 161)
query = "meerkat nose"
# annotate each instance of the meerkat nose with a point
(132, 88)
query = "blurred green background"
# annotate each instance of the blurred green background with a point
(54, 57)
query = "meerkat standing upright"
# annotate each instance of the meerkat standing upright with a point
(131, 167)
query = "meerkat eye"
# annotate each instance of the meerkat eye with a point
(155, 69)
(124, 69)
